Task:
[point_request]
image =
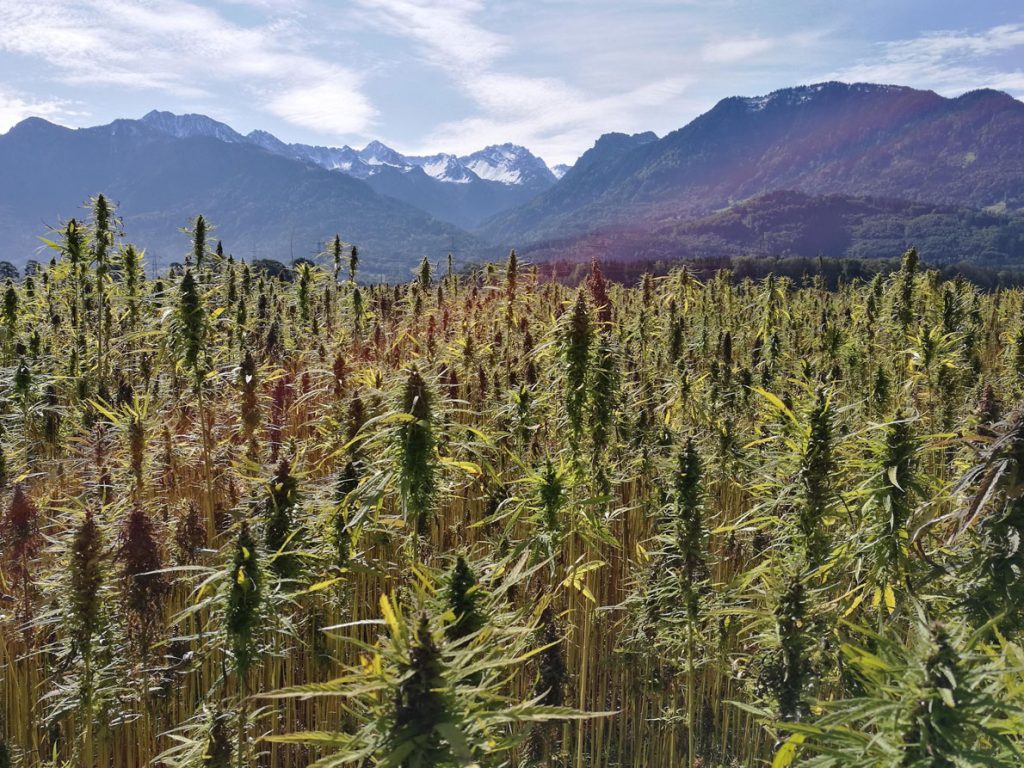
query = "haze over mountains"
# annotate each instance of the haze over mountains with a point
(508, 164)
(889, 166)
(461, 190)
(831, 138)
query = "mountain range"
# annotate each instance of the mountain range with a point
(832, 168)
(263, 205)
(462, 190)
(831, 138)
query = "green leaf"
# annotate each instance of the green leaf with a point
(457, 740)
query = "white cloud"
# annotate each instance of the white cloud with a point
(14, 108)
(552, 117)
(550, 74)
(444, 29)
(949, 62)
(994, 40)
(328, 107)
(736, 49)
(189, 51)
(556, 124)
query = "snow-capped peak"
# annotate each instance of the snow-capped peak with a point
(444, 167)
(376, 153)
(803, 94)
(560, 170)
(508, 164)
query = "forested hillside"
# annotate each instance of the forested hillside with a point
(859, 139)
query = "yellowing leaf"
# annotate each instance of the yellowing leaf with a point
(853, 606)
(776, 403)
(575, 578)
(787, 752)
(466, 466)
(890, 599)
(323, 584)
(389, 614)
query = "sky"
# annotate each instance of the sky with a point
(427, 76)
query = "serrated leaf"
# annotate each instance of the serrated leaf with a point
(777, 404)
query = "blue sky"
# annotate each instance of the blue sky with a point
(456, 75)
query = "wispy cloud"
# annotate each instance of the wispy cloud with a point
(15, 107)
(444, 30)
(553, 117)
(189, 51)
(947, 61)
(736, 49)
(454, 75)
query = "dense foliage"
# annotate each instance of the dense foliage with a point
(489, 520)
(791, 224)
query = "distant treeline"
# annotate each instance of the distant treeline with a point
(272, 267)
(833, 271)
(793, 225)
